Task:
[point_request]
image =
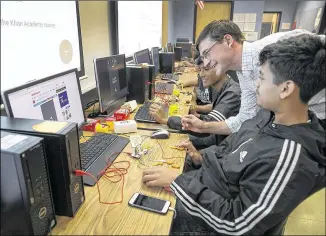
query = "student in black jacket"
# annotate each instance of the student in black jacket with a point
(256, 177)
(226, 103)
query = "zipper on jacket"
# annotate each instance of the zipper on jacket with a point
(242, 145)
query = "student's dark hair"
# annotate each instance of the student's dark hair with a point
(217, 29)
(300, 59)
(198, 59)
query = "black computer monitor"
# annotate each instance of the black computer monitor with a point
(182, 40)
(56, 97)
(186, 49)
(156, 58)
(111, 80)
(142, 57)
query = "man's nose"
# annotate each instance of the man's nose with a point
(206, 62)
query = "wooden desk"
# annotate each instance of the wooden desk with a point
(121, 219)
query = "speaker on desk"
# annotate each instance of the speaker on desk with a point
(167, 62)
(26, 201)
(138, 83)
(177, 53)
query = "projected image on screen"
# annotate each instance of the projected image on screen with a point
(38, 39)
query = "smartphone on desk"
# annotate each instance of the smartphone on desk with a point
(149, 203)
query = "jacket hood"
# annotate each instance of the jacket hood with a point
(310, 135)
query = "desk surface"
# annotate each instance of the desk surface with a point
(121, 219)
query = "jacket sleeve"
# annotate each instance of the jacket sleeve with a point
(228, 105)
(269, 189)
(174, 122)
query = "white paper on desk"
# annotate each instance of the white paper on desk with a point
(238, 17)
(250, 17)
(241, 25)
(249, 27)
(250, 36)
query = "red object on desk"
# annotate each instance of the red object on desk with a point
(121, 114)
(90, 125)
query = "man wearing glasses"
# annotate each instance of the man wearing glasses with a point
(221, 45)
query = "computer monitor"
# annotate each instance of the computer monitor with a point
(156, 58)
(56, 97)
(182, 40)
(142, 57)
(186, 49)
(111, 80)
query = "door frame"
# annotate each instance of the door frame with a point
(195, 16)
(280, 18)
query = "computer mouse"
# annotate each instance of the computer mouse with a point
(160, 134)
(171, 81)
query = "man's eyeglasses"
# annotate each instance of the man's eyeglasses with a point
(207, 52)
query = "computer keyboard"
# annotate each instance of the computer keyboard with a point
(143, 114)
(167, 76)
(164, 88)
(94, 147)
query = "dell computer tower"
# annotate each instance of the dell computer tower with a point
(138, 83)
(177, 53)
(63, 157)
(167, 62)
(26, 201)
(151, 80)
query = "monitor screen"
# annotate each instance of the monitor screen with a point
(186, 49)
(142, 57)
(53, 98)
(111, 79)
(156, 59)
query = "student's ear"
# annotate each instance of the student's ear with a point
(287, 89)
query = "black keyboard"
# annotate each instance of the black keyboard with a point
(94, 147)
(163, 88)
(167, 76)
(143, 114)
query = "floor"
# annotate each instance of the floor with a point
(309, 217)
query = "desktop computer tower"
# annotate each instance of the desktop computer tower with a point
(63, 157)
(167, 62)
(151, 70)
(26, 201)
(178, 53)
(138, 83)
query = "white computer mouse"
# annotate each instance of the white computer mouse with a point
(160, 134)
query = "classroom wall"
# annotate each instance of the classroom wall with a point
(251, 7)
(306, 13)
(95, 36)
(183, 19)
(171, 19)
(287, 8)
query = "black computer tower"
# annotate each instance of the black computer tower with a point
(177, 53)
(138, 83)
(26, 201)
(151, 79)
(167, 62)
(63, 157)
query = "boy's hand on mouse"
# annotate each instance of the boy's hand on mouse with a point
(159, 177)
(158, 113)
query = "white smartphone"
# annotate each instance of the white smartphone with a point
(149, 203)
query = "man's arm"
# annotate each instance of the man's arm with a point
(259, 205)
